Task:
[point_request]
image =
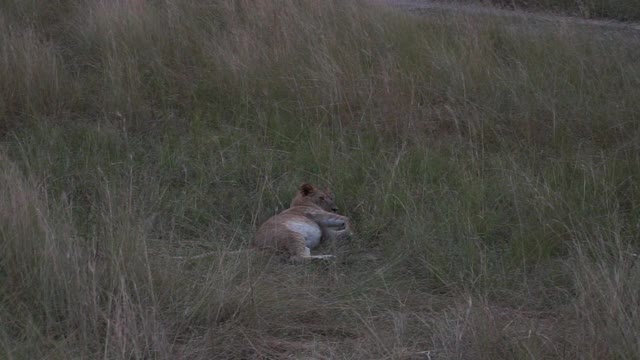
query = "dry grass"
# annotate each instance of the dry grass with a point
(489, 165)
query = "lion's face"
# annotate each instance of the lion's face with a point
(310, 194)
(324, 199)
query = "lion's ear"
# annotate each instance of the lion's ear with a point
(306, 189)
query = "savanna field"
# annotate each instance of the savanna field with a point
(489, 165)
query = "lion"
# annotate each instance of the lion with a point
(311, 218)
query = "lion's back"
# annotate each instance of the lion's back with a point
(286, 227)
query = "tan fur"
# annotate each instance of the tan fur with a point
(310, 219)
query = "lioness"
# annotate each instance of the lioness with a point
(310, 218)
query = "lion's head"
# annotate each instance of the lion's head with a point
(308, 195)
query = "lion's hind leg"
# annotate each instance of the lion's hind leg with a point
(300, 253)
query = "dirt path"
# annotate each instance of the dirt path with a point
(427, 6)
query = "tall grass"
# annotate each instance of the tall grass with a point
(489, 167)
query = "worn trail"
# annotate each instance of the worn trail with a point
(430, 6)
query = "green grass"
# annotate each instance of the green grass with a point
(489, 165)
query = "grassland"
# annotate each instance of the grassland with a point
(490, 166)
